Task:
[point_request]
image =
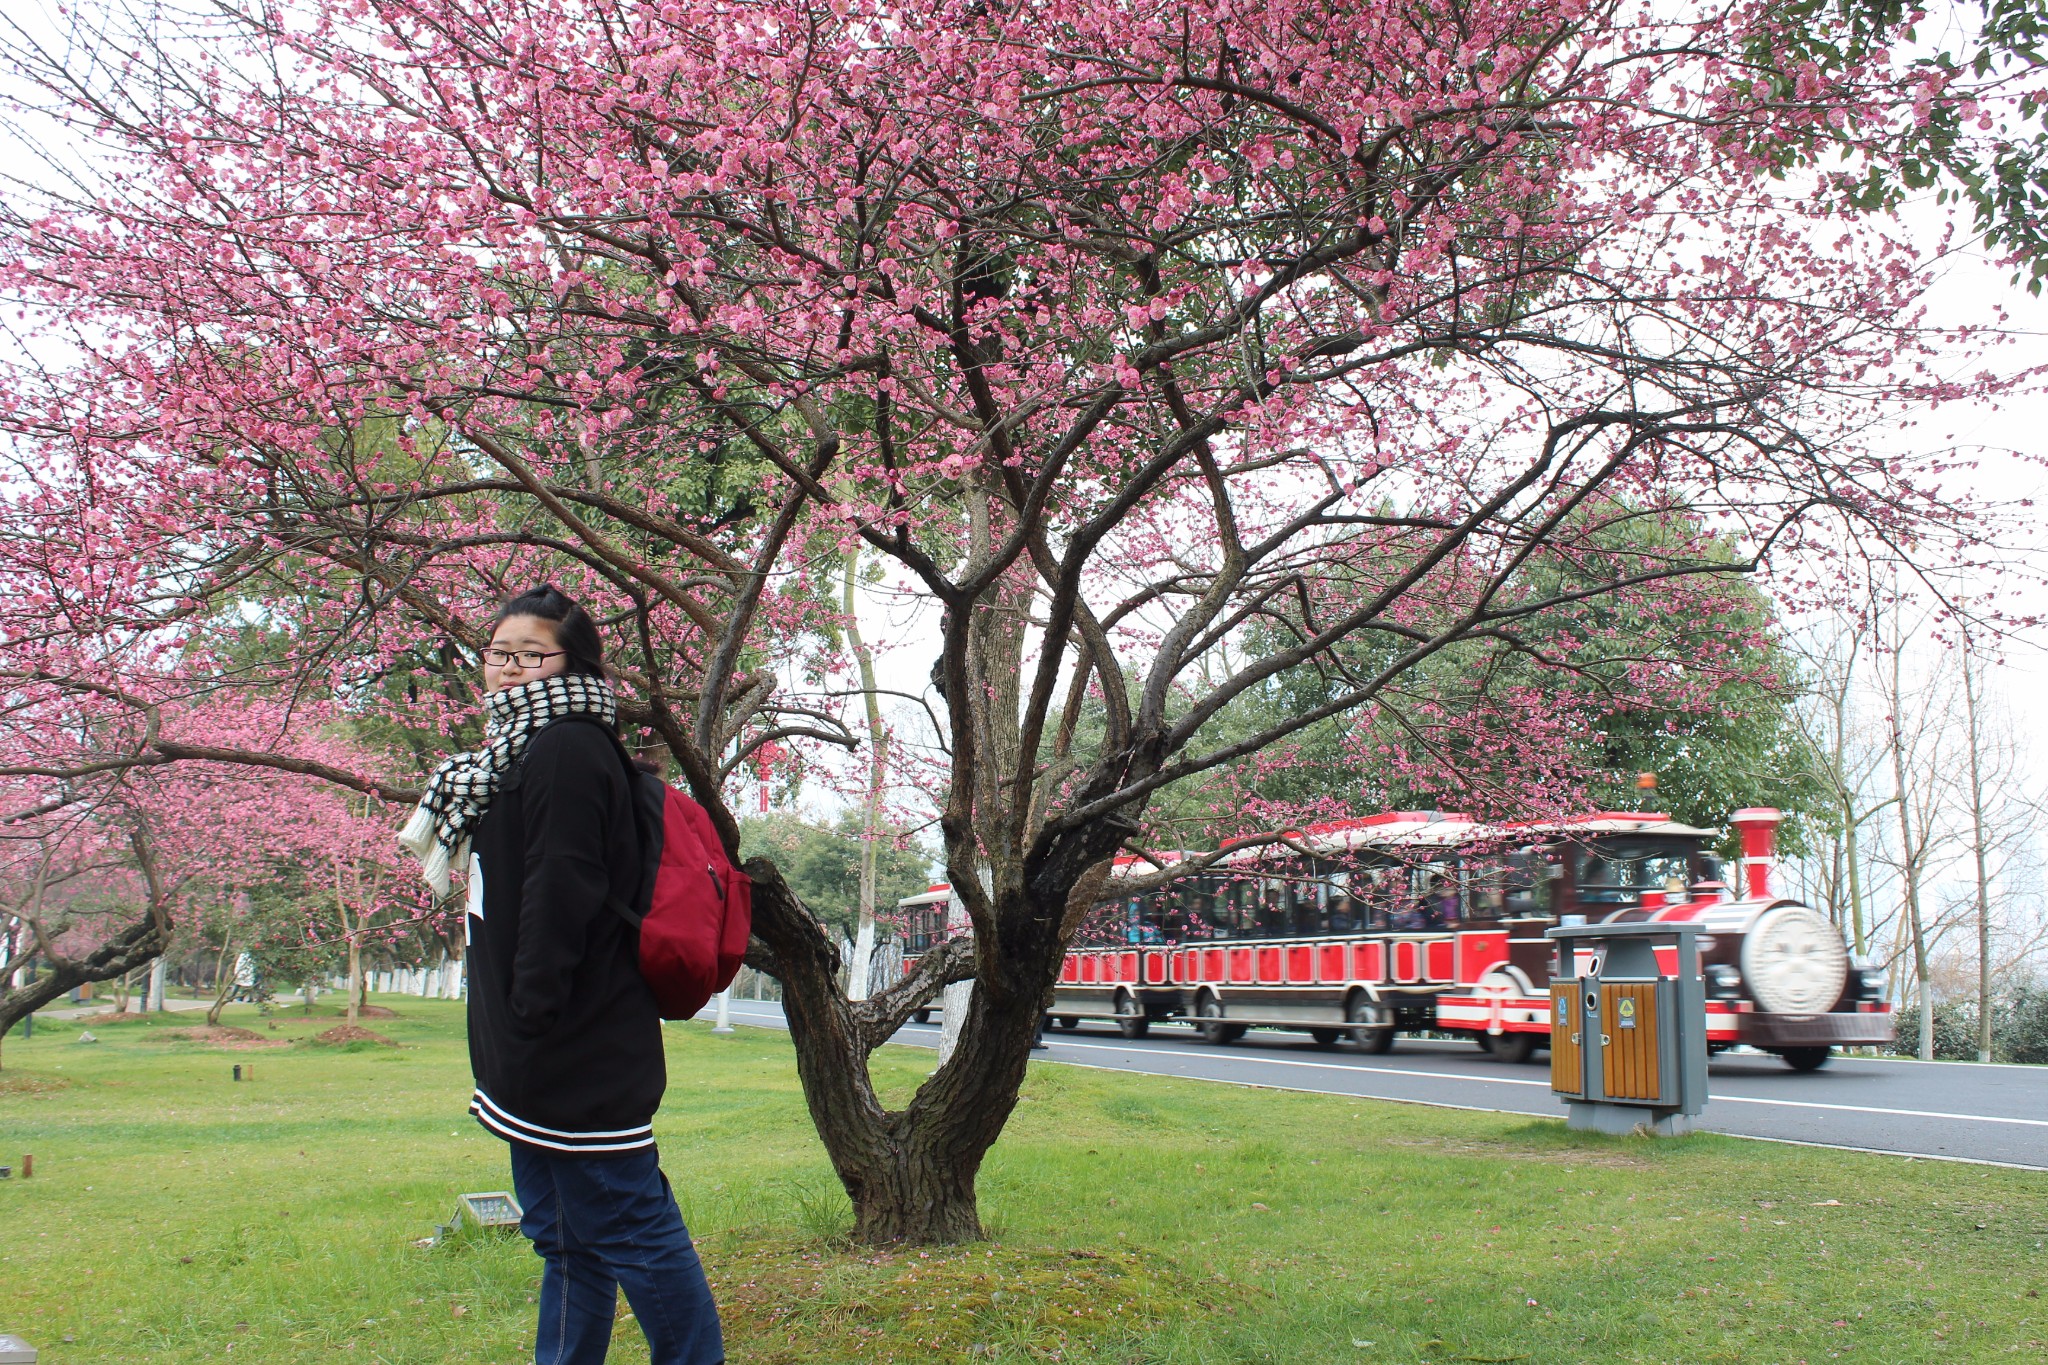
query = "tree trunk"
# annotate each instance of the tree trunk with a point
(153, 997)
(861, 972)
(1855, 860)
(1909, 872)
(355, 978)
(123, 953)
(909, 1173)
(223, 981)
(1977, 851)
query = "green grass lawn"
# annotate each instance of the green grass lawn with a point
(176, 1215)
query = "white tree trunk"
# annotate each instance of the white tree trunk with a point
(154, 998)
(860, 974)
(955, 1001)
(957, 998)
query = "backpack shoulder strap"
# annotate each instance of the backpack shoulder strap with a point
(645, 794)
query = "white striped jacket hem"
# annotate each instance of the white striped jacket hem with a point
(513, 1129)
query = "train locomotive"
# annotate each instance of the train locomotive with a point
(1415, 921)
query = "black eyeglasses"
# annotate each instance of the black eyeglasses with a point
(525, 658)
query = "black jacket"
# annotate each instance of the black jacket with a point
(564, 1037)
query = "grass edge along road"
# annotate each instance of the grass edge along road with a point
(178, 1216)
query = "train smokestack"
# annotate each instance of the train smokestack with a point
(1758, 826)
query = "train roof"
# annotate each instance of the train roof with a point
(1616, 822)
(1399, 830)
(1132, 865)
(1394, 829)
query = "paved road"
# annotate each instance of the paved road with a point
(1941, 1110)
(172, 1005)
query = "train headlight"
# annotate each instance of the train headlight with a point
(1794, 961)
(1870, 983)
(1723, 982)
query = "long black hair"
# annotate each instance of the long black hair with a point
(575, 632)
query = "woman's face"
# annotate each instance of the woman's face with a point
(523, 635)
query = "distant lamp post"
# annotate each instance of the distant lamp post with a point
(724, 1024)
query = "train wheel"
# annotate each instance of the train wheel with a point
(1209, 1011)
(1130, 1016)
(1806, 1058)
(1513, 1048)
(1372, 1024)
(1326, 1037)
(1070, 1022)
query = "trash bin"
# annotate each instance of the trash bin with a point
(1628, 1038)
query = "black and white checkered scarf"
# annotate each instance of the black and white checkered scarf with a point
(462, 788)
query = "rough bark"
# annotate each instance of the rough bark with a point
(910, 1173)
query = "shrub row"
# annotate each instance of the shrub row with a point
(2019, 1028)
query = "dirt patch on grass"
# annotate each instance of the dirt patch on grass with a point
(375, 1012)
(28, 1083)
(797, 1303)
(224, 1035)
(351, 1033)
(123, 1017)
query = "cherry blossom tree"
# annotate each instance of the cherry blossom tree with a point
(1123, 334)
(105, 844)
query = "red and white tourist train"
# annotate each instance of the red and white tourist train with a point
(1419, 920)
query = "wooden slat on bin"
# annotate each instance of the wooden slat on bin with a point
(1567, 1071)
(1629, 1060)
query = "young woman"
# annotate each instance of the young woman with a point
(564, 1038)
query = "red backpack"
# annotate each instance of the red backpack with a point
(693, 909)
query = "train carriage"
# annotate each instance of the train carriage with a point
(1421, 920)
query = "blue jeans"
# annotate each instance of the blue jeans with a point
(602, 1224)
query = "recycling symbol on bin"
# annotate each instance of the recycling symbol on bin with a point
(1625, 1012)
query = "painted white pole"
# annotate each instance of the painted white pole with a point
(724, 1024)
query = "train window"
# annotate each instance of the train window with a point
(1307, 897)
(1273, 908)
(1235, 915)
(1148, 919)
(1196, 910)
(1436, 891)
(1618, 874)
(1384, 893)
(1486, 888)
(1342, 913)
(1526, 878)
